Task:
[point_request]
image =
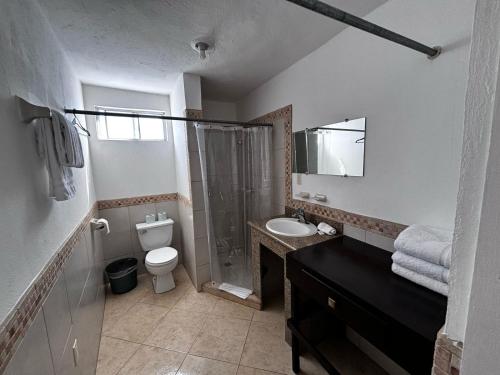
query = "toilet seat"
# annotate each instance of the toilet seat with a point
(161, 256)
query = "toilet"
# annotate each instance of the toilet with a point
(160, 258)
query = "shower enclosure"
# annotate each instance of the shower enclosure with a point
(237, 186)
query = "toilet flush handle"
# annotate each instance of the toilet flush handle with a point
(143, 231)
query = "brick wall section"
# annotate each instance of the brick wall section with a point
(447, 356)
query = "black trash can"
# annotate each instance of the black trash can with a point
(122, 275)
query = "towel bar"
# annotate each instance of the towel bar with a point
(30, 112)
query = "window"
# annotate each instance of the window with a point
(130, 128)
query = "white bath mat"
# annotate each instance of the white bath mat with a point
(238, 291)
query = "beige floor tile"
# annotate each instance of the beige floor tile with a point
(242, 370)
(222, 339)
(180, 274)
(137, 323)
(167, 299)
(114, 309)
(203, 366)
(266, 349)
(153, 361)
(118, 304)
(177, 330)
(113, 354)
(270, 314)
(231, 309)
(199, 302)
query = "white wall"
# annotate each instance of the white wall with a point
(186, 95)
(217, 110)
(414, 110)
(473, 304)
(192, 90)
(178, 103)
(130, 168)
(32, 226)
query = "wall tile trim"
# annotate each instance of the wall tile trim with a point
(135, 201)
(194, 113)
(16, 325)
(184, 200)
(371, 224)
(447, 356)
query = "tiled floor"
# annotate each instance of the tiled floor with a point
(184, 332)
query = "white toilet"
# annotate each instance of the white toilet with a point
(160, 259)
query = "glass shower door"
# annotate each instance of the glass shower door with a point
(235, 190)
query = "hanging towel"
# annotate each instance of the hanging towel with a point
(61, 186)
(67, 142)
(427, 243)
(422, 267)
(419, 279)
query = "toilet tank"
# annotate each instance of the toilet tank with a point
(155, 235)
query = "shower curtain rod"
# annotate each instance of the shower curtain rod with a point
(359, 23)
(174, 118)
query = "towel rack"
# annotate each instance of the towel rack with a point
(30, 112)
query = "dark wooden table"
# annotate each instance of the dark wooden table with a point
(347, 282)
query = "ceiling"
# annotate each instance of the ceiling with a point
(145, 44)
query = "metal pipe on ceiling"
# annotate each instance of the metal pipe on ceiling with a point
(173, 118)
(359, 23)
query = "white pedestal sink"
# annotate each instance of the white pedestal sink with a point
(285, 226)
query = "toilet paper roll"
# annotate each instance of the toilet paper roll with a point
(101, 224)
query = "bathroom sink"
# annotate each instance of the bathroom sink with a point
(286, 226)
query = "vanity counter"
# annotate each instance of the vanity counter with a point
(352, 282)
(291, 243)
(279, 245)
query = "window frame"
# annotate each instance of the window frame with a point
(135, 124)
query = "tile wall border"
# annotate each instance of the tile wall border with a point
(136, 201)
(184, 200)
(17, 323)
(447, 356)
(371, 224)
(194, 113)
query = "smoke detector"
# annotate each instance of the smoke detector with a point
(202, 46)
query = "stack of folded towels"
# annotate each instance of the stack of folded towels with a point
(423, 255)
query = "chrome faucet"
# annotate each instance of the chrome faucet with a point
(300, 215)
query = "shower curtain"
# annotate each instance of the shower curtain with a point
(237, 187)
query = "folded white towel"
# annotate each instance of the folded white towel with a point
(238, 291)
(67, 142)
(419, 279)
(61, 186)
(427, 243)
(324, 228)
(422, 267)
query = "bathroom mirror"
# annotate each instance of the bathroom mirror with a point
(336, 149)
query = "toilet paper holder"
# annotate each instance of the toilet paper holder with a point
(100, 224)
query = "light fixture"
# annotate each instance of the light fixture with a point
(202, 46)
